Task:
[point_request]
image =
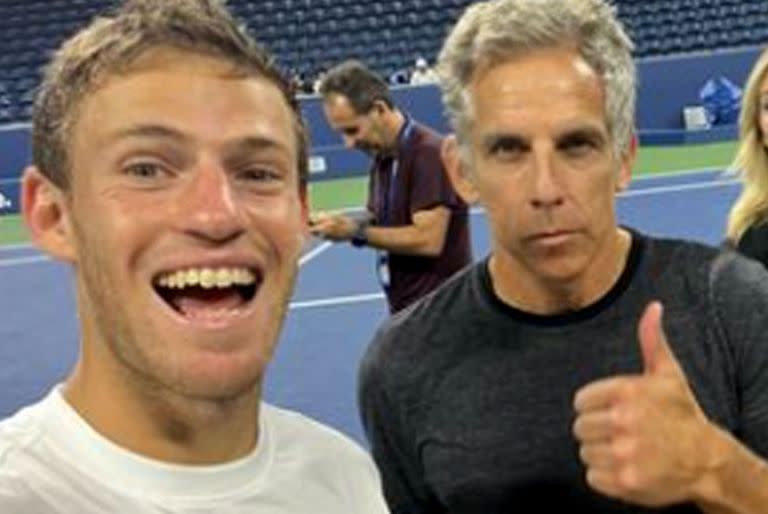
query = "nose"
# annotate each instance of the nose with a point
(547, 189)
(209, 205)
(349, 142)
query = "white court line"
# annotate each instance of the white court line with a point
(475, 210)
(677, 189)
(16, 246)
(15, 126)
(676, 173)
(314, 252)
(23, 260)
(337, 300)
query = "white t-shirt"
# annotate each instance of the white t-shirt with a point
(52, 461)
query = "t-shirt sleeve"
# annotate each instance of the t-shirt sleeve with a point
(366, 491)
(430, 185)
(14, 495)
(382, 418)
(740, 289)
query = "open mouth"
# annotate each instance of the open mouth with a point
(208, 293)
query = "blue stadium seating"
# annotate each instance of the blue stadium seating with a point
(307, 35)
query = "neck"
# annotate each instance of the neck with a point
(518, 287)
(394, 124)
(161, 424)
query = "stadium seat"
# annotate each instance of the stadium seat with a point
(307, 34)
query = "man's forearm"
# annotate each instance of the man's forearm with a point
(409, 240)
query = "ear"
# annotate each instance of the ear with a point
(46, 214)
(627, 162)
(304, 202)
(380, 107)
(458, 171)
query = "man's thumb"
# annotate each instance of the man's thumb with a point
(657, 355)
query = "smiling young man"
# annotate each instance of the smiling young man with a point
(170, 172)
(546, 375)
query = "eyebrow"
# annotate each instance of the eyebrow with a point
(257, 144)
(582, 132)
(251, 143)
(492, 139)
(147, 131)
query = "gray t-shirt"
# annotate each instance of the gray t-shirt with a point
(467, 402)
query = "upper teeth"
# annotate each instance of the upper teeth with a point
(207, 278)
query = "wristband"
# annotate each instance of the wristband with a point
(359, 237)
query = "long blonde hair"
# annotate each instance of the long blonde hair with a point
(751, 161)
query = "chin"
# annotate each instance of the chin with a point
(214, 374)
(214, 385)
(560, 270)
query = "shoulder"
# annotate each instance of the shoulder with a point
(738, 280)
(679, 259)
(407, 340)
(320, 460)
(721, 273)
(444, 303)
(296, 432)
(21, 431)
(426, 138)
(20, 450)
(675, 249)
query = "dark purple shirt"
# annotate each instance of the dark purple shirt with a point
(421, 183)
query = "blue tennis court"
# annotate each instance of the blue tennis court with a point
(335, 310)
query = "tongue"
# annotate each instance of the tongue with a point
(199, 302)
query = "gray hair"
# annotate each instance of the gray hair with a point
(112, 42)
(491, 32)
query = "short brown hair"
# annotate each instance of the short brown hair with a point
(360, 85)
(112, 42)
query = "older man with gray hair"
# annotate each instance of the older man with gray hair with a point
(583, 366)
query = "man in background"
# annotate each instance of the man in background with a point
(415, 221)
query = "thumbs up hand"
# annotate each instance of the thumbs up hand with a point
(643, 437)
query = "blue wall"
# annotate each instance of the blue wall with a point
(14, 155)
(666, 86)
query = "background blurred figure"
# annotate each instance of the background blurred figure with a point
(422, 73)
(548, 375)
(414, 218)
(748, 220)
(170, 169)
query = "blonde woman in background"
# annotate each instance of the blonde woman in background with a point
(748, 220)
